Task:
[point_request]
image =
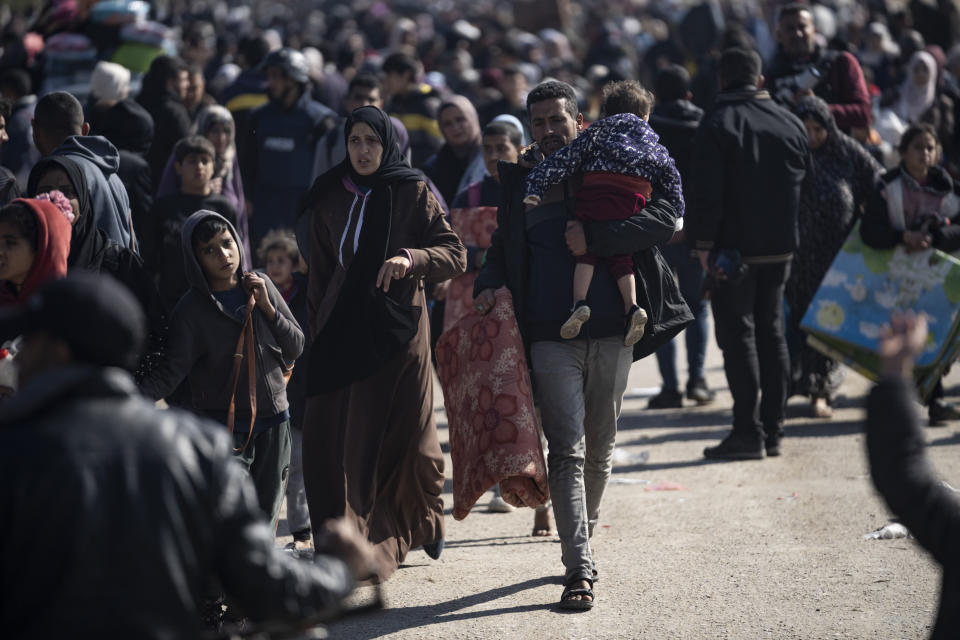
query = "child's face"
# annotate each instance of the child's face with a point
(220, 258)
(219, 137)
(57, 179)
(495, 149)
(279, 267)
(921, 154)
(16, 254)
(195, 172)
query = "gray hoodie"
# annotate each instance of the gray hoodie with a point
(203, 336)
(100, 161)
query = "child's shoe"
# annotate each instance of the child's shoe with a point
(636, 323)
(571, 328)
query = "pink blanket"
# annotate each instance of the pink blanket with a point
(475, 226)
(494, 427)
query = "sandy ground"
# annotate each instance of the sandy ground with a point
(761, 549)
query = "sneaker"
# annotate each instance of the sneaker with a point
(942, 412)
(636, 323)
(571, 328)
(499, 505)
(666, 399)
(734, 448)
(698, 391)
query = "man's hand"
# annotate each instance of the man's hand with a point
(253, 283)
(440, 290)
(393, 269)
(916, 240)
(340, 538)
(484, 301)
(575, 237)
(902, 342)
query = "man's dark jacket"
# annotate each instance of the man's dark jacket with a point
(750, 162)
(506, 263)
(142, 507)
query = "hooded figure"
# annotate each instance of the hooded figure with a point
(100, 162)
(165, 105)
(368, 430)
(50, 257)
(840, 180)
(459, 163)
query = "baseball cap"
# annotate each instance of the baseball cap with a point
(98, 317)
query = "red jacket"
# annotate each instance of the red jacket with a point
(53, 247)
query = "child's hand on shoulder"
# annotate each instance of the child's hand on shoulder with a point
(253, 283)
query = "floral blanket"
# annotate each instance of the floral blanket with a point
(494, 427)
(475, 226)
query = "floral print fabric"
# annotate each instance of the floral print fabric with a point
(494, 428)
(475, 226)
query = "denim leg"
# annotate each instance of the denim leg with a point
(690, 278)
(608, 366)
(298, 516)
(558, 379)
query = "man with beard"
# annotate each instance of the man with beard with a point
(285, 132)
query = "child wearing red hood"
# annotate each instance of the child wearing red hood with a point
(34, 245)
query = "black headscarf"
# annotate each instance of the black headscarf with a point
(87, 242)
(366, 326)
(393, 166)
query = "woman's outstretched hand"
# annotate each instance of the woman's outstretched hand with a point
(393, 269)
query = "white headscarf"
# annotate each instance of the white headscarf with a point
(511, 119)
(914, 100)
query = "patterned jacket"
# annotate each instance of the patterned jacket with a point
(623, 143)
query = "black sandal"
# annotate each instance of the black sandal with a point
(570, 592)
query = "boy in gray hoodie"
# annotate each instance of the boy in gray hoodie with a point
(204, 329)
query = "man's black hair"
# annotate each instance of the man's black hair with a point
(16, 81)
(365, 80)
(401, 63)
(512, 70)
(164, 68)
(739, 68)
(672, 83)
(626, 96)
(552, 90)
(59, 114)
(5, 109)
(254, 49)
(23, 220)
(504, 129)
(193, 145)
(792, 9)
(207, 229)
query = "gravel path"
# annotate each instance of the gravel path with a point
(761, 549)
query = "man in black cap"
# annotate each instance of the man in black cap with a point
(752, 156)
(116, 514)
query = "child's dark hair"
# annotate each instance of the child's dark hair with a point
(193, 145)
(279, 239)
(207, 229)
(672, 83)
(504, 129)
(914, 131)
(626, 96)
(23, 220)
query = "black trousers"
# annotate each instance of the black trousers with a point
(748, 319)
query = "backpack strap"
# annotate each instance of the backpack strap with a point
(245, 341)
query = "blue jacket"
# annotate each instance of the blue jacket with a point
(100, 162)
(281, 159)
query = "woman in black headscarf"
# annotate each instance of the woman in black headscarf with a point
(92, 250)
(373, 234)
(841, 178)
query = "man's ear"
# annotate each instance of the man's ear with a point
(689, 96)
(760, 81)
(85, 129)
(178, 167)
(579, 122)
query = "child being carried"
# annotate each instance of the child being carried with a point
(623, 161)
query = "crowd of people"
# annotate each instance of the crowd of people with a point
(268, 205)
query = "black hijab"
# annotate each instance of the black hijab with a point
(87, 242)
(366, 327)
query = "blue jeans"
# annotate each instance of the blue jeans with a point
(690, 277)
